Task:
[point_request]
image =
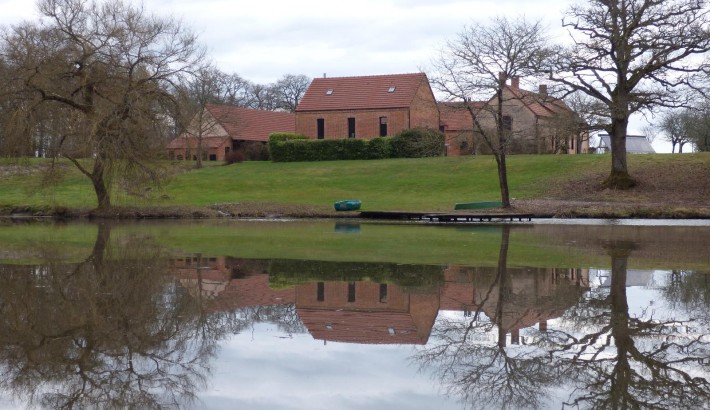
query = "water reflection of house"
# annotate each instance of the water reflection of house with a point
(366, 312)
(516, 299)
(229, 283)
(385, 313)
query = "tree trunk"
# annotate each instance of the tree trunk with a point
(619, 177)
(502, 146)
(503, 180)
(619, 322)
(100, 188)
(198, 164)
(504, 289)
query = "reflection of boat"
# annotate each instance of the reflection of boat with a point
(347, 227)
(479, 205)
(348, 205)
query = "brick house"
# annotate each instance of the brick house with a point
(366, 106)
(537, 122)
(457, 126)
(226, 128)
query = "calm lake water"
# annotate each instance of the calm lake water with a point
(347, 315)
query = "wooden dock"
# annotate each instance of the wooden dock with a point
(444, 217)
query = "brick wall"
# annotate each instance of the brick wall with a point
(423, 112)
(367, 122)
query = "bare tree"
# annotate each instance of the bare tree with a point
(234, 90)
(290, 89)
(477, 64)
(207, 86)
(106, 72)
(677, 128)
(700, 128)
(263, 97)
(632, 55)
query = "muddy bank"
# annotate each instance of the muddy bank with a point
(539, 208)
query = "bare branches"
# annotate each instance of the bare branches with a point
(633, 56)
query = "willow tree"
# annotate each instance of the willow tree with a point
(475, 66)
(634, 55)
(104, 73)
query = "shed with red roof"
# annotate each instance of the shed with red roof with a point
(226, 128)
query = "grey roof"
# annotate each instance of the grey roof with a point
(635, 144)
(634, 278)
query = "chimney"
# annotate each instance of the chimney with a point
(543, 90)
(502, 78)
(543, 325)
(515, 82)
(324, 75)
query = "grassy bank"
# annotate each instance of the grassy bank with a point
(429, 184)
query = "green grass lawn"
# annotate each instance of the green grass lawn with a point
(397, 184)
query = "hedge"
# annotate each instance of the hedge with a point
(413, 143)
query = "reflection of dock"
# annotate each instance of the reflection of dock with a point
(444, 217)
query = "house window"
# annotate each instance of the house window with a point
(351, 292)
(571, 143)
(391, 89)
(507, 123)
(320, 124)
(226, 151)
(320, 292)
(383, 293)
(329, 92)
(351, 127)
(213, 157)
(383, 126)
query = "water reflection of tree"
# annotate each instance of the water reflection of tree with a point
(690, 291)
(605, 356)
(481, 373)
(110, 332)
(631, 362)
(284, 317)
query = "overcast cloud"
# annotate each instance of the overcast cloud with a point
(263, 40)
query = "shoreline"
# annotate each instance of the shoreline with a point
(538, 208)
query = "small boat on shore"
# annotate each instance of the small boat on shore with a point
(479, 205)
(348, 205)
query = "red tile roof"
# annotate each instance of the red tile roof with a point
(541, 106)
(251, 125)
(362, 327)
(356, 93)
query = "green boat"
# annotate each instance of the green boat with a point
(348, 205)
(479, 205)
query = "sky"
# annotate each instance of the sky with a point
(266, 39)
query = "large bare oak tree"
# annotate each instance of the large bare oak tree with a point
(633, 55)
(104, 74)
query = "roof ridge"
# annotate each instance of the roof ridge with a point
(369, 76)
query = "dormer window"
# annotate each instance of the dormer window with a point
(391, 89)
(329, 92)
